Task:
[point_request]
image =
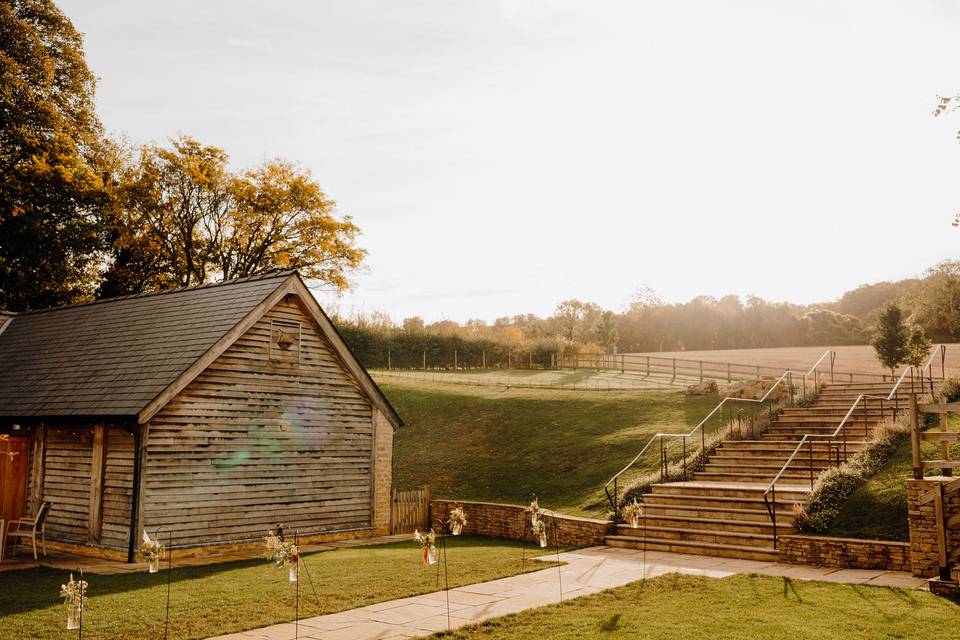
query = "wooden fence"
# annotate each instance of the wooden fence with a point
(943, 436)
(410, 510)
(698, 369)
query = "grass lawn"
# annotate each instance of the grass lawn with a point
(477, 443)
(224, 598)
(878, 509)
(735, 608)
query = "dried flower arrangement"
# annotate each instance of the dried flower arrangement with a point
(458, 520)
(428, 542)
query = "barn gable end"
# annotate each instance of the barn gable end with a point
(275, 430)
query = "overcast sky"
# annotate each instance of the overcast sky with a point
(503, 156)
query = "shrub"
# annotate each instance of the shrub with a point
(949, 390)
(836, 484)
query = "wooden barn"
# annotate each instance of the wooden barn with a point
(218, 411)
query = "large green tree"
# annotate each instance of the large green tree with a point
(891, 340)
(51, 185)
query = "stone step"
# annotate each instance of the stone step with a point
(651, 521)
(743, 458)
(726, 490)
(707, 534)
(773, 444)
(871, 419)
(785, 516)
(715, 502)
(720, 465)
(699, 548)
(763, 477)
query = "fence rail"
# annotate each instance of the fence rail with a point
(703, 369)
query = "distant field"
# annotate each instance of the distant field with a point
(858, 358)
(502, 445)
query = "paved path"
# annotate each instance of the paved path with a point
(587, 571)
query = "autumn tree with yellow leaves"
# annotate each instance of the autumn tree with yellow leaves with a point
(180, 218)
(83, 216)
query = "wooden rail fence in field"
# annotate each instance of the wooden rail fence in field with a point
(697, 369)
(410, 510)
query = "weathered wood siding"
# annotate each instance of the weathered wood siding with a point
(117, 489)
(67, 472)
(66, 482)
(265, 435)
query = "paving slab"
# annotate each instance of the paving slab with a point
(586, 571)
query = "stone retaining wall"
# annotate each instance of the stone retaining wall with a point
(846, 553)
(923, 528)
(512, 522)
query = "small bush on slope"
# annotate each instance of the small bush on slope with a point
(835, 485)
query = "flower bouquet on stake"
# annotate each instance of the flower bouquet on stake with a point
(540, 531)
(283, 553)
(534, 510)
(458, 519)
(428, 542)
(632, 513)
(152, 550)
(73, 593)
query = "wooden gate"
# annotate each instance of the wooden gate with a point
(410, 510)
(14, 466)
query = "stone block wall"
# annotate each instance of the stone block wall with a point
(512, 521)
(923, 529)
(382, 472)
(846, 553)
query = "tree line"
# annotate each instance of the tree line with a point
(85, 216)
(926, 308)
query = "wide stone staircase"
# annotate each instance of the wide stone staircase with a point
(721, 511)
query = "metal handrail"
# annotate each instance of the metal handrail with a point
(808, 437)
(786, 375)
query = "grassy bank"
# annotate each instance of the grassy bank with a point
(878, 509)
(494, 444)
(228, 597)
(676, 606)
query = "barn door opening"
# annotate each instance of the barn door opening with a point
(14, 467)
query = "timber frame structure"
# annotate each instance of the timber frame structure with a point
(217, 411)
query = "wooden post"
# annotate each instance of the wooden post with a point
(701, 371)
(39, 465)
(388, 360)
(424, 359)
(648, 366)
(97, 467)
(915, 438)
(945, 444)
(455, 367)
(623, 366)
(674, 368)
(484, 355)
(942, 558)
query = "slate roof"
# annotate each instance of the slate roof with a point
(112, 357)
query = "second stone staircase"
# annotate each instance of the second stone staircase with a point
(721, 511)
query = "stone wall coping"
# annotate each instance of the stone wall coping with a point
(548, 512)
(797, 536)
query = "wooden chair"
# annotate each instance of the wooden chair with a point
(29, 528)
